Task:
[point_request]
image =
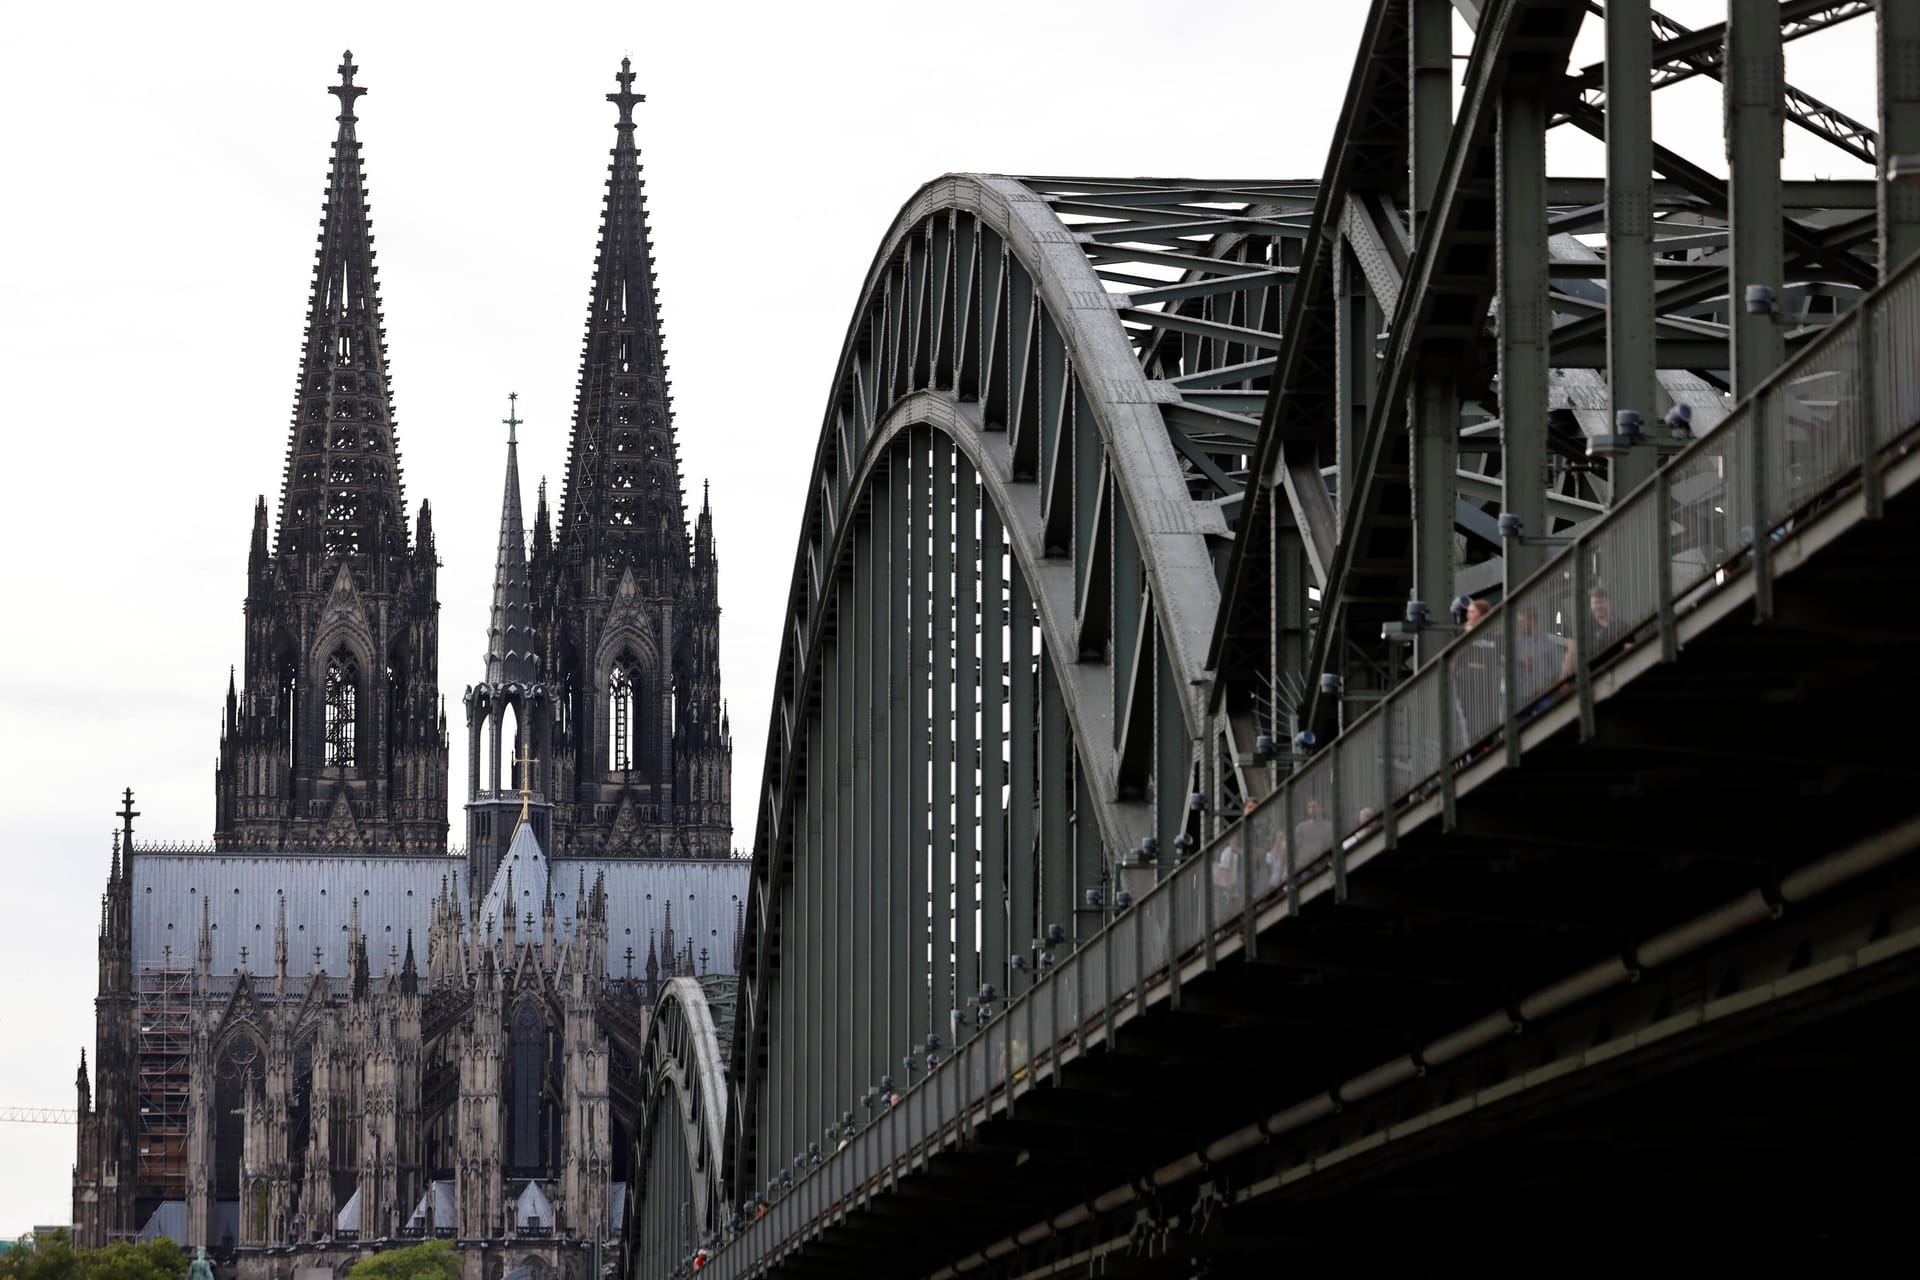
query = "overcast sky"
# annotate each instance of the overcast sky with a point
(165, 167)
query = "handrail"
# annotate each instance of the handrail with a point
(1811, 425)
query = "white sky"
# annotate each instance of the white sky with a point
(165, 166)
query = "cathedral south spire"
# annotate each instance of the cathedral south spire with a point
(628, 611)
(336, 740)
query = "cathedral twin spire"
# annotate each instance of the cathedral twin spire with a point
(335, 736)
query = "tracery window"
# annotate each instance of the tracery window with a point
(529, 1054)
(342, 695)
(623, 696)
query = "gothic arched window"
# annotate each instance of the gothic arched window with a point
(623, 714)
(343, 694)
(529, 1056)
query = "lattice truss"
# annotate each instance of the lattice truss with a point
(1401, 302)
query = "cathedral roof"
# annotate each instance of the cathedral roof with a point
(243, 891)
(435, 1204)
(523, 874)
(241, 894)
(533, 1208)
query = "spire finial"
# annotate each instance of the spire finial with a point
(346, 90)
(626, 98)
(513, 415)
(526, 762)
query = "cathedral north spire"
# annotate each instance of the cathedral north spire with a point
(622, 502)
(627, 610)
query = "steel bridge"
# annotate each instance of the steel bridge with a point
(1151, 880)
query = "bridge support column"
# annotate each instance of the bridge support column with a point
(1433, 408)
(1631, 351)
(1755, 85)
(1524, 321)
(1434, 432)
(1899, 60)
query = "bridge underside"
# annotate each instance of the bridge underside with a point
(1736, 828)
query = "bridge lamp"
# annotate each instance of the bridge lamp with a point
(1629, 432)
(1184, 843)
(1420, 618)
(1056, 935)
(1514, 529)
(1196, 803)
(1095, 900)
(1122, 900)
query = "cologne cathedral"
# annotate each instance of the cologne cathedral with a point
(325, 1030)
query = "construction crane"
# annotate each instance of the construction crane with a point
(39, 1115)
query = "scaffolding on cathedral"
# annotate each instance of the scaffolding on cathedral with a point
(163, 997)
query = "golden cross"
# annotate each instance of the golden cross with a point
(526, 763)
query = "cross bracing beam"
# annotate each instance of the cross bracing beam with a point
(1681, 54)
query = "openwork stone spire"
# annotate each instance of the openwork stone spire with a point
(623, 503)
(341, 496)
(336, 738)
(510, 636)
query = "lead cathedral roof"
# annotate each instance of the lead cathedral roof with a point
(242, 893)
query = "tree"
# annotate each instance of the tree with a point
(53, 1257)
(434, 1260)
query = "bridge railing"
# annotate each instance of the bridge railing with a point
(1781, 455)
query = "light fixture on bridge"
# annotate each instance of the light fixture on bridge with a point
(1184, 843)
(1763, 301)
(1096, 901)
(1904, 168)
(1056, 935)
(1420, 618)
(1122, 900)
(1514, 529)
(1196, 803)
(1629, 433)
(1264, 747)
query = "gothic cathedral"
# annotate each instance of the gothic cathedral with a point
(326, 1030)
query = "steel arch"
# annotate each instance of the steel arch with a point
(678, 1200)
(1075, 365)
